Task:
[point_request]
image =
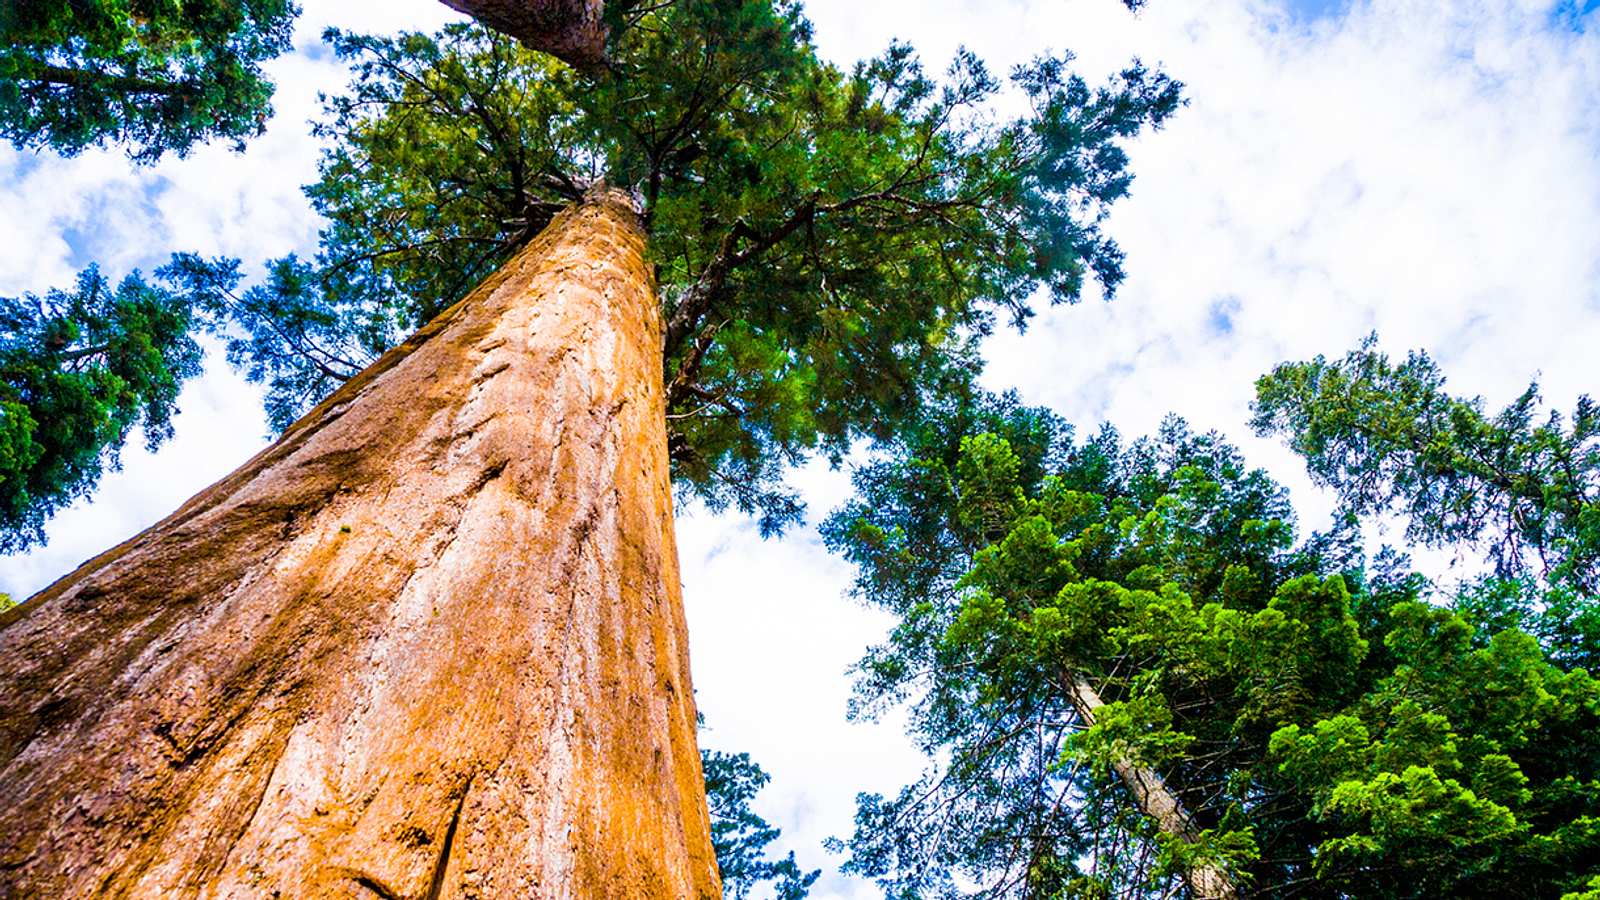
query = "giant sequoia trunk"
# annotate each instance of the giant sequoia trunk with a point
(1206, 881)
(429, 644)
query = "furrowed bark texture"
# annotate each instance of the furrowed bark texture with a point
(428, 645)
(1156, 800)
(573, 31)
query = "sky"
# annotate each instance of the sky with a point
(1428, 170)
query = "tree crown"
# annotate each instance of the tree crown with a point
(1322, 724)
(1388, 437)
(78, 370)
(154, 76)
(828, 243)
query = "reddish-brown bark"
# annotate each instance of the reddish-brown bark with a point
(571, 30)
(430, 644)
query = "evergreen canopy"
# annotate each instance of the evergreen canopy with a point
(1388, 438)
(1330, 731)
(153, 75)
(828, 243)
(78, 369)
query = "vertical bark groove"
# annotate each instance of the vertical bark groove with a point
(412, 649)
(436, 884)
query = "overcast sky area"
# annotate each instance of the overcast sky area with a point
(1426, 170)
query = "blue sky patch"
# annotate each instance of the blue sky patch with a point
(1219, 318)
(1311, 10)
(1577, 15)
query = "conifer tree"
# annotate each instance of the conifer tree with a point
(430, 642)
(159, 77)
(78, 369)
(1326, 730)
(152, 76)
(1522, 483)
(829, 243)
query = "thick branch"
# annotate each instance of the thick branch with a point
(697, 299)
(74, 355)
(573, 31)
(1156, 800)
(65, 76)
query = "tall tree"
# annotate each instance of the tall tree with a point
(1005, 549)
(430, 643)
(828, 244)
(1324, 732)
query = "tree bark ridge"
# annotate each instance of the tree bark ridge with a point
(428, 644)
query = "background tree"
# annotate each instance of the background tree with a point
(78, 370)
(1388, 438)
(1327, 732)
(1522, 484)
(152, 76)
(741, 837)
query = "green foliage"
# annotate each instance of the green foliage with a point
(1591, 891)
(1564, 619)
(740, 836)
(1388, 438)
(6, 602)
(1463, 753)
(1320, 724)
(78, 370)
(154, 75)
(828, 243)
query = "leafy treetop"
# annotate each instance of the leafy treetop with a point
(154, 75)
(1525, 484)
(828, 243)
(1389, 438)
(78, 369)
(1330, 733)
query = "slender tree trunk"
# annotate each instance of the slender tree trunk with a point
(571, 30)
(430, 644)
(1156, 800)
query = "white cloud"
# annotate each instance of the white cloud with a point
(1428, 170)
